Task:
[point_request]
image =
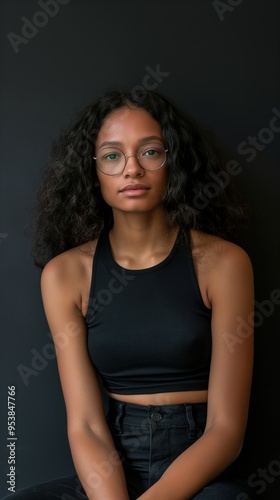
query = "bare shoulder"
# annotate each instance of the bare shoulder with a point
(70, 263)
(70, 272)
(219, 265)
(214, 254)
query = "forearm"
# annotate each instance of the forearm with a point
(98, 466)
(196, 466)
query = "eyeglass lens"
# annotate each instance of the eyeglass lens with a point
(112, 160)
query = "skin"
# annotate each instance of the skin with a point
(225, 279)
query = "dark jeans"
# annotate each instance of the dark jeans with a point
(148, 439)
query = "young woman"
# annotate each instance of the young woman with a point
(145, 295)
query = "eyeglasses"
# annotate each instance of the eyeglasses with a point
(112, 161)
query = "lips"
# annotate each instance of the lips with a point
(134, 187)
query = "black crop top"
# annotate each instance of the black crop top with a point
(148, 330)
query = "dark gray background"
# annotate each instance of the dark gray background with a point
(223, 71)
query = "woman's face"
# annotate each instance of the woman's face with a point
(134, 189)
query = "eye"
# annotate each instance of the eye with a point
(150, 152)
(111, 156)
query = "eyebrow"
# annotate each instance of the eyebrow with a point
(143, 140)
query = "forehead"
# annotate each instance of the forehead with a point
(128, 124)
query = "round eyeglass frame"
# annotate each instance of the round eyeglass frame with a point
(127, 155)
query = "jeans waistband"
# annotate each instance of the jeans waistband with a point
(191, 414)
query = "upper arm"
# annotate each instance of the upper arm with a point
(78, 376)
(232, 297)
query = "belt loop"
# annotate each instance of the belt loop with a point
(119, 416)
(191, 422)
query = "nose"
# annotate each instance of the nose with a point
(133, 167)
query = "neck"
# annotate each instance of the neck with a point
(141, 237)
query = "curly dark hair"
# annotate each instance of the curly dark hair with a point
(70, 209)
